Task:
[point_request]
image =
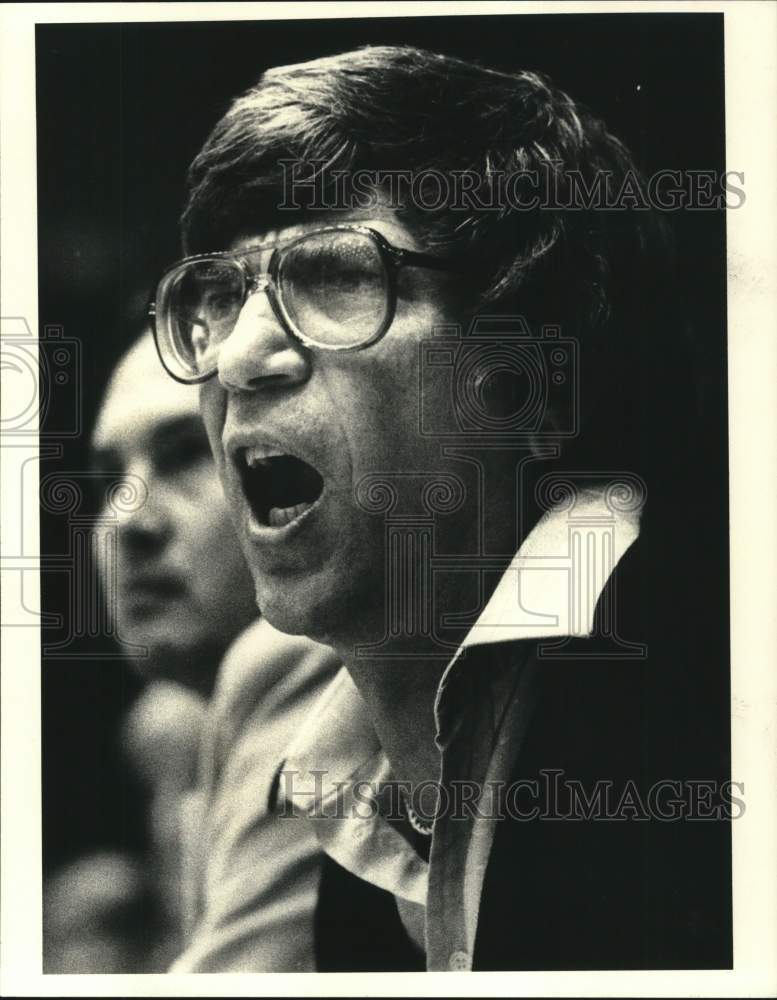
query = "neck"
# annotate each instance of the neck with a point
(400, 697)
(400, 693)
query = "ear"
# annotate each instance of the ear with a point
(502, 393)
(550, 431)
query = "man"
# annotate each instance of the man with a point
(180, 592)
(404, 387)
(150, 433)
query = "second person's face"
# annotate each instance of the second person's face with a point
(177, 584)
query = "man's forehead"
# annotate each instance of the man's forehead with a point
(380, 218)
(141, 397)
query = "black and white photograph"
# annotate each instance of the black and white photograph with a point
(379, 595)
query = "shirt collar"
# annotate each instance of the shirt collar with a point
(551, 587)
(556, 578)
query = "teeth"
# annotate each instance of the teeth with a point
(260, 454)
(278, 517)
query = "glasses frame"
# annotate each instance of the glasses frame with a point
(393, 259)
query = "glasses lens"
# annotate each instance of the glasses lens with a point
(335, 288)
(199, 305)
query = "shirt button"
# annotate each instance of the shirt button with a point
(459, 961)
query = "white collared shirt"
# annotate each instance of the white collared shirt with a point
(483, 704)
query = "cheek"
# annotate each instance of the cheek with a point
(201, 512)
(213, 407)
(392, 415)
(377, 390)
(213, 550)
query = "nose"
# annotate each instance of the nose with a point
(146, 526)
(259, 352)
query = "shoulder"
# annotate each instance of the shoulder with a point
(266, 674)
(263, 661)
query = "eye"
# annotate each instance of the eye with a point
(182, 452)
(219, 304)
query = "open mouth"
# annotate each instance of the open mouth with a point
(279, 488)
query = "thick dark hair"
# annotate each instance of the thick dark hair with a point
(594, 271)
(400, 108)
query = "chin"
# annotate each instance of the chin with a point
(293, 615)
(173, 654)
(318, 607)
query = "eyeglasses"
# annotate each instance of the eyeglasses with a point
(333, 289)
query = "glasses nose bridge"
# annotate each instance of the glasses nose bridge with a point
(256, 349)
(256, 283)
(253, 284)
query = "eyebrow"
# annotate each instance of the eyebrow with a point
(108, 457)
(189, 425)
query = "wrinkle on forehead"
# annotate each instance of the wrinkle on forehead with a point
(380, 218)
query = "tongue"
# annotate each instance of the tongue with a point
(278, 517)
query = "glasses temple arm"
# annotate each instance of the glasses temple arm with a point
(411, 258)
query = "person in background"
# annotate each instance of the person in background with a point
(100, 914)
(176, 584)
(255, 875)
(160, 739)
(179, 591)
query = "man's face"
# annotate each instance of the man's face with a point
(345, 415)
(181, 587)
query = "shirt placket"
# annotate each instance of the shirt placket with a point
(481, 718)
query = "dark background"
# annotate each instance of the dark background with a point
(122, 109)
